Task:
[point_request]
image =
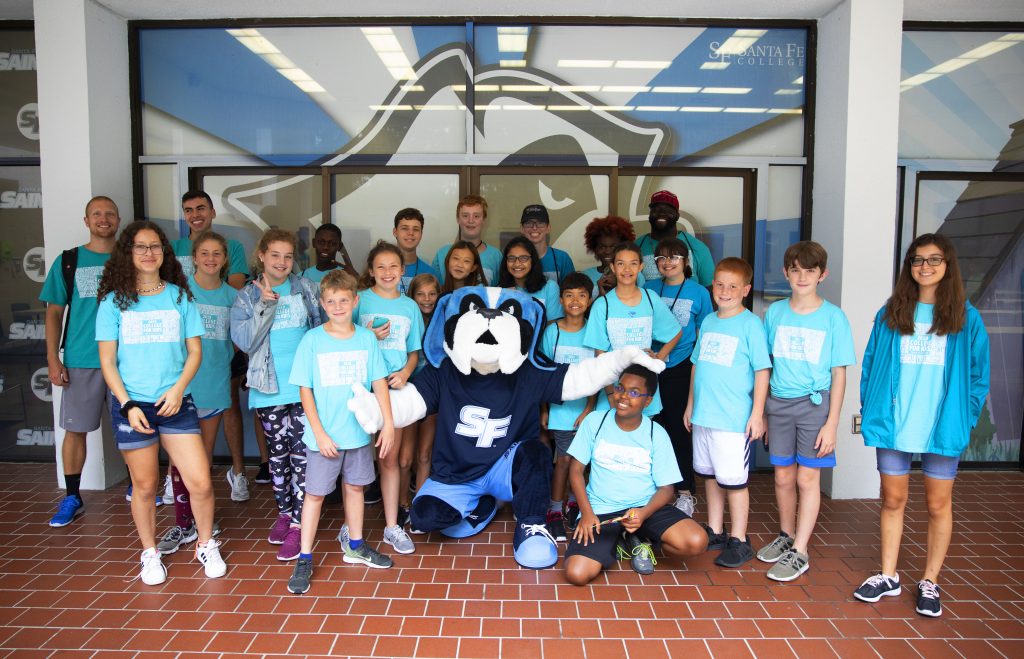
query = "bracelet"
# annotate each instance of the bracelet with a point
(129, 404)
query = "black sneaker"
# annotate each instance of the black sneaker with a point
(928, 603)
(716, 541)
(403, 515)
(877, 586)
(301, 575)
(371, 493)
(263, 475)
(555, 525)
(736, 553)
(571, 517)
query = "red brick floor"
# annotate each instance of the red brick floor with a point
(68, 592)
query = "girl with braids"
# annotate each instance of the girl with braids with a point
(398, 324)
(149, 333)
(521, 269)
(600, 237)
(924, 380)
(268, 320)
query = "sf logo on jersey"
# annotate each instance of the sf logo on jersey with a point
(476, 422)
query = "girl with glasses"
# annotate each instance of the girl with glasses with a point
(521, 269)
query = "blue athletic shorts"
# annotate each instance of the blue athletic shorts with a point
(464, 496)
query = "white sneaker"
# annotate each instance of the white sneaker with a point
(168, 491)
(153, 571)
(239, 486)
(209, 556)
(686, 503)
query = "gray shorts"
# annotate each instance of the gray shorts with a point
(562, 440)
(793, 425)
(355, 465)
(83, 399)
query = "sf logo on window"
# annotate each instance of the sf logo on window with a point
(477, 422)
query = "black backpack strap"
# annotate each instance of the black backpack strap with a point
(68, 266)
(601, 425)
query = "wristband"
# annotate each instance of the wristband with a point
(128, 405)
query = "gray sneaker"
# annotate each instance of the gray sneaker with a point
(640, 555)
(343, 538)
(774, 550)
(301, 575)
(686, 503)
(367, 556)
(399, 539)
(792, 564)
(176, 537)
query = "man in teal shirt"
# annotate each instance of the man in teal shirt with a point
(77, 370)
(664, 220)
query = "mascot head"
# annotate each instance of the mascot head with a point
(485, 329)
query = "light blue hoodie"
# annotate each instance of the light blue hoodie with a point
(965, 386)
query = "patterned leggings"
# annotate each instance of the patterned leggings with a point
(282, 424)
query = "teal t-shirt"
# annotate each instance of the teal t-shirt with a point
(80, 351)
(595, 274)
(565, 347)
(150, 339)
(290, 323)
(550, 297)
(406, 320)
(626, 468)
(727, 354)
(690, 303)
(613, 325)
(490, 259)
(312, 273)
(211, 387)
(556, 264)
(921, 382)
(411, 270)
(701, 262)
(806, 347)
(330, 367)
(236, 257)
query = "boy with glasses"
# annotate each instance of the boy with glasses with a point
(535, 224)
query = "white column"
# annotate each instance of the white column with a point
(854, 202)
(84, 150)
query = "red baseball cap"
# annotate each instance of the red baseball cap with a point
(664, 197)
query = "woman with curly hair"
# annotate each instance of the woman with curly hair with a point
(149, 333)
(600, 237)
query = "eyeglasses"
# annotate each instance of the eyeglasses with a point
(140, 250)
(918, 261)
(534, 225)
(512, 258)
(675, 258)
(632, 393)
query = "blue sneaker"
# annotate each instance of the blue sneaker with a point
(533, 546)
(70, 508)
(475, 521)
(128, 497)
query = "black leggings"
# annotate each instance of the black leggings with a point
(674, 385)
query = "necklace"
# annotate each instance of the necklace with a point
(150, 290)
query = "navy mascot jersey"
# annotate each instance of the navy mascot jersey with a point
(480, 416)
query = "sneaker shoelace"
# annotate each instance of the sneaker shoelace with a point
(643, 550)
(537, 529)
(790, 559)
(928, 590)
(876, 580)
(398, 534)
(145, 565)
(67, 506)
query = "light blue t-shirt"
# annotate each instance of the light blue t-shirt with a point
(490, 259)
(626, 468)
(727, 354)
(806, 347)
(595, 275)
(330, 367)
(150, 339)
(556, 264)
(80, 350)
(236, 257)
(211, 387)
(406, 320)
(550, 297)
(313, 274)
(613, 325)
(690, 303)
(290, 324)
(921, 382)
(411, 270)
(565, 347)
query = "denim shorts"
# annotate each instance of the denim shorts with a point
(185, 422)
(897, 463)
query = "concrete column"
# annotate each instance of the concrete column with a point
(854, 202)
(84, 150)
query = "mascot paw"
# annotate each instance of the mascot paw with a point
(533, 546)
(364, 406)
(475, 521)
(638, 356)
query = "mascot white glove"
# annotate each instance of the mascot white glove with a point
(407, 407)
(591, 375)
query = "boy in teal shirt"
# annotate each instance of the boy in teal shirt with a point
(329, 361)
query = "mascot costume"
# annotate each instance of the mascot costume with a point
(486, 383)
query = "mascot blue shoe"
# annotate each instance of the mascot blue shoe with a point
(533, 547)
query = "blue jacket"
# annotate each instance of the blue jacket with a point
(965, 387)
(252, 318)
